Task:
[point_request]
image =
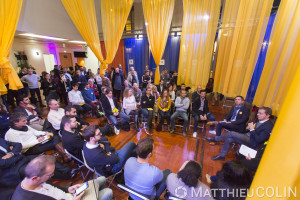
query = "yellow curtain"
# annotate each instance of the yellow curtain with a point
(114, 14)
(243, 28)
(200, 22)
(280, 165)
(282, 58)
(9, 17)
(158, 17)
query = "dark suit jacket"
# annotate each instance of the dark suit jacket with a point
(241, 118)
(106, 105)
(80, 79)
(196, 105)
(9, 170)
(21, 194)
(158, 88)
(261, 134)
(73, 143)
(29, 117)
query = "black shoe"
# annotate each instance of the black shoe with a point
(210, 139)
(218, 157)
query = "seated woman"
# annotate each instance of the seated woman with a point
(171, 92)
(234, 176)
(188, 178)
(164, 105)
(129, 105)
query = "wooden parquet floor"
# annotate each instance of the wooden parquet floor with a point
(171, 151)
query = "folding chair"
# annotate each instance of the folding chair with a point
(113, 176)
(79, 164)
(131, 191)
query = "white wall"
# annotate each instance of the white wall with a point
(91, 62)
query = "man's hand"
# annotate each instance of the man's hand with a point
(73, 188)
(83, 127)
(78, 197)
(30, 106)
(102, 146)
(40, 139)
(251, 126)
(49, 134)
(116, 113)
(94, 101)
(228, 122)
(203, 117)
(248, 157)
(8, 155)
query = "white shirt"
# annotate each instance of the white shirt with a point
(75, 97)
(98, 79)
(112, 104)
(53, 192)
(91, 146)
(27, 139)
(129, 103)
(30, 113)
(55, 116)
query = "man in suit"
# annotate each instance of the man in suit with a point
(236, 119)
(112, 110)
(161, 86)
(258, 134)
(200, 110)
(80, 80)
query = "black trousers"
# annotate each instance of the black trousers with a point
(38, 93)
(117, 94)
(40, 148)
(83, 109)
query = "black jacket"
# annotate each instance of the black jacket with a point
(48, 86)
(73, 143)
(196, 105)
(147, 102)
(21, 194)
(261, 134)
(158, 88)
(106, 105)
(80, 79)
(241, 118)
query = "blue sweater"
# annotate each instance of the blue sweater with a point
(88, 95)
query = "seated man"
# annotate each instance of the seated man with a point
(143, 177)
(81, 124)
(34, 185)
(13, 163)
(55, 114)
(112, 110)
(147, 105)
(97, 157)
(236, 119)
(182, 103)
(257, 135)
(34, 119)
(33, 141)
(90, 98)
(200, 110)
(76, 99)
(182, 87)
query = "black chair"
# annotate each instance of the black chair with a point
(132, 191)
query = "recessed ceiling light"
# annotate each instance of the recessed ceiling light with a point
(78, 42)
(42, 36)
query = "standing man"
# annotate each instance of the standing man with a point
(117, 82)
(80, 79)
(22, 73)
(33, 83)
(132, 77)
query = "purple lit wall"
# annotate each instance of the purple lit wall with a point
(52, 50)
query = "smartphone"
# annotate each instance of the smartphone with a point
(83, 187)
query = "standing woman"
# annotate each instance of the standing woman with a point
(164, 105)
(49, 88)
(129, 105)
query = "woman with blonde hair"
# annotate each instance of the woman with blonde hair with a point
(164, 105)
(129, 105)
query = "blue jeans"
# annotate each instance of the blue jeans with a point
(209, 116)
(123, 155)
(230, 138)
(148, 114)
(122, 115)
(164, 115)
(161, 186)
(181, 114)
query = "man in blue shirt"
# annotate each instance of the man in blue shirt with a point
(89, 97)
(141, 176)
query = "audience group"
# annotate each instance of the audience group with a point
(26, 134)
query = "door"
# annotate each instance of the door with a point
(66, 59)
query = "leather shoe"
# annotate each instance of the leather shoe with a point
(218, 157)
(210, 139)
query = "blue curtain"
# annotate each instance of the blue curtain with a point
(138, 50)
(260, 61)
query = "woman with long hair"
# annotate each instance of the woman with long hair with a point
(129, 105)
(164, 105)
(49, 88)
(171, 92)
(188, 178)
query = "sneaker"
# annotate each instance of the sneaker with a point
(195, 134)
(172, 131)
(117, 131)
(212, 132)
(184, 134)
